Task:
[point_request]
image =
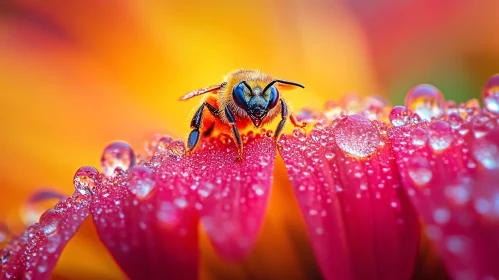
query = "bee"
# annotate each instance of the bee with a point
(246, 98)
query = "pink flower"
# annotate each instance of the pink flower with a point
(363, 176)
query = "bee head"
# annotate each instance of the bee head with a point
(257, 102)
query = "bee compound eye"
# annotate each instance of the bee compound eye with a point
(238, 96)
(273, 97)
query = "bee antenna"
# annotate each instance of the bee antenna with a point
(289, 83)
(269, 85)
(282, 82)
(246, 84)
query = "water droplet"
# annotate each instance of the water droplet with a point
(259, 191)
(329, 152)
(4, 233)
(49, 222)
(482, 206)
(117, 154)
(4, 256)
(455, 244)
(419, 137)
(180, 202)
(167, 213)
(455, 121)
(486, 153)
(440, 135)
(312, 212)
(151, 144)
(319, 231)
(357, 136)
(490, 94)
(419, 171)
(176, 149)
(451, 107)
(42, 268)
(441, 215)
(37, 204)
(488, 206)
(163, 144)
(205, 189)
(481, 125)
(426, 101)
(332, 110)
(85, 179)
(141, 181)
(457, 194)
(315, 135)
(399, 116)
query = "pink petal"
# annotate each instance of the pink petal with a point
(230, 195)
(455, 189)
(233, 194)
(34, 254)
(151, 237)
(152, 231)
(360, 222)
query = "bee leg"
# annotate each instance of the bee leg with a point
(193, 139)
(235, 132)
(284, 117)
(296, 123)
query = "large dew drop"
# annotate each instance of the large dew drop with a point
(141, 181)
(85, 179)
(440, 135)
(357, 136)
(490, 94)
(399, 116)
(426, 101)
(117, 155)
(49, 222)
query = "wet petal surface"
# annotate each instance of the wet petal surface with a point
(148, 217)
(150, 237)
(452, 180)
(360, 222)
(34, 254)
(233, 196)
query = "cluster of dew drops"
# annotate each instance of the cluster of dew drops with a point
(118, 158)
(358, 124)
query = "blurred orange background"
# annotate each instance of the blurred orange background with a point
(75, 75)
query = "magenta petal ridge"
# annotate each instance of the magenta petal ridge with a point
(233, 195)
(360, 222)
(149, 233)
(452, 180)
(148, 217)
(34, 254)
